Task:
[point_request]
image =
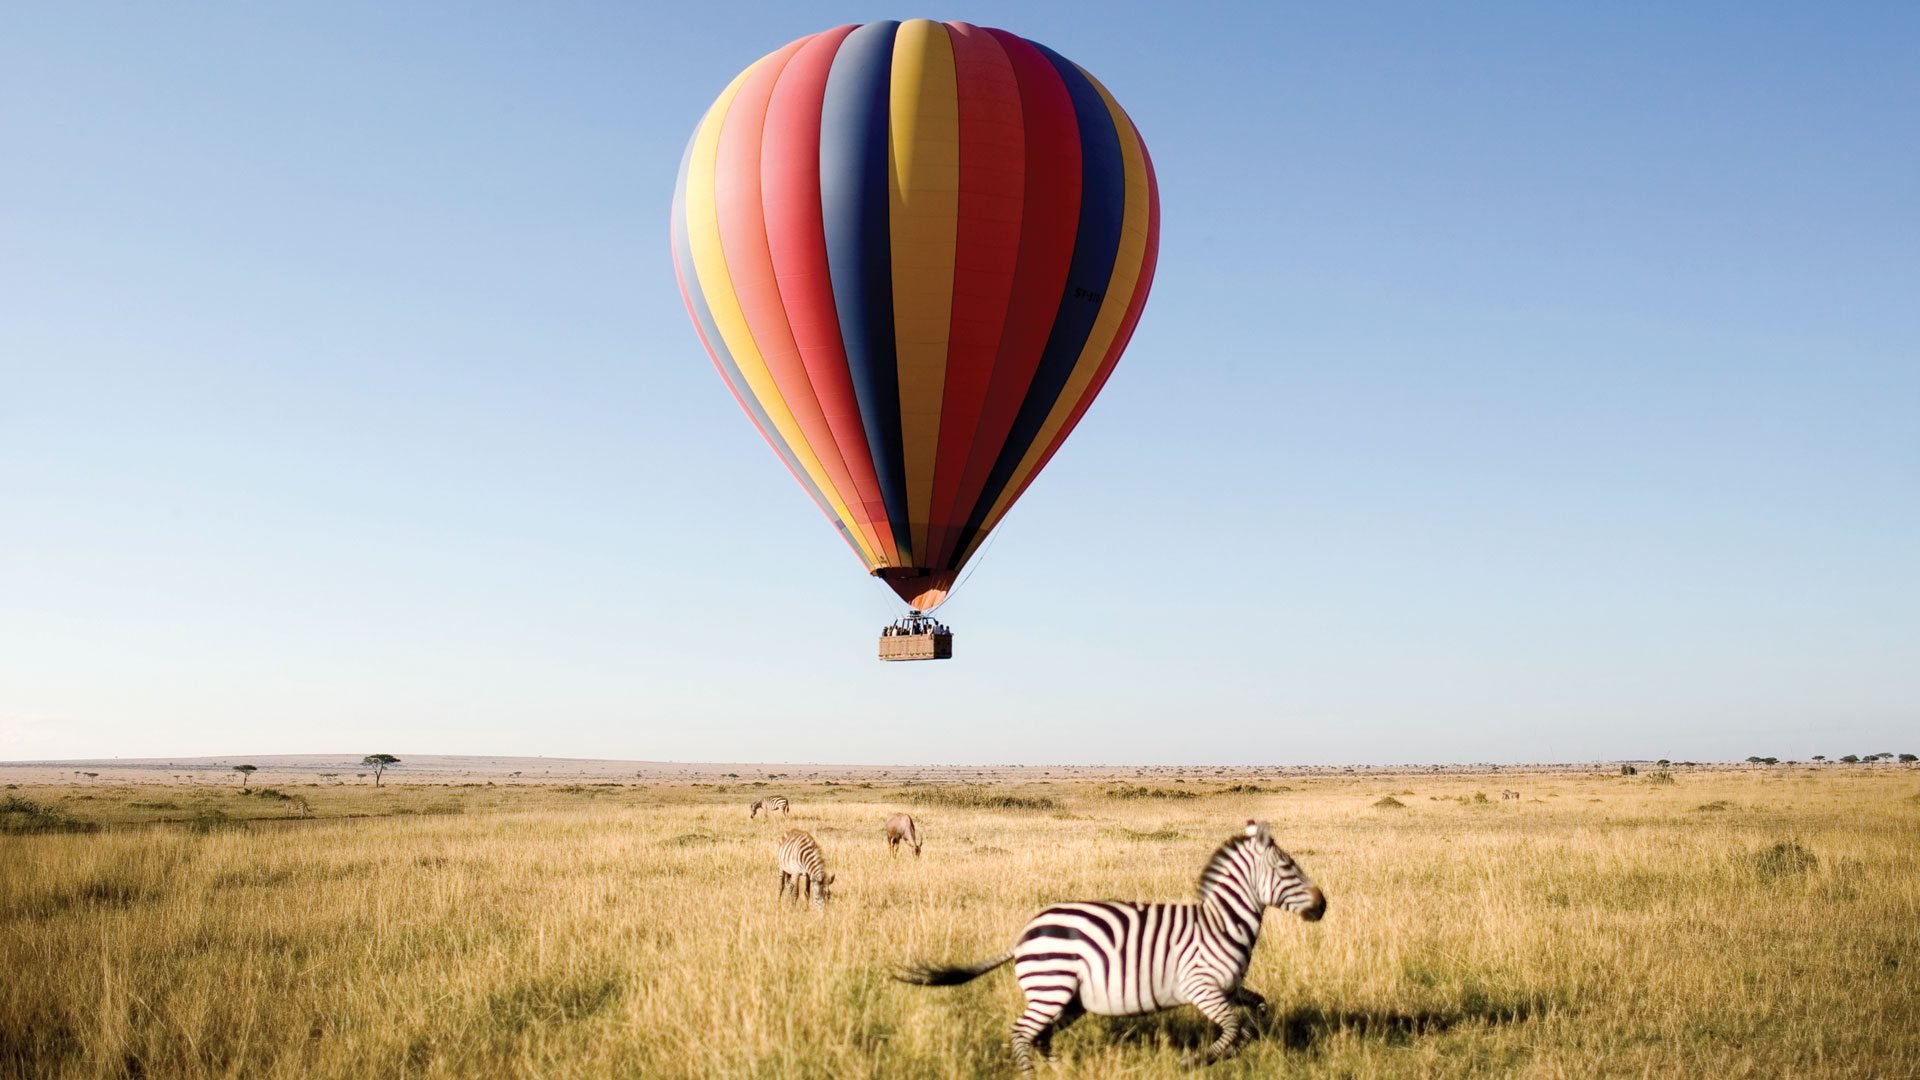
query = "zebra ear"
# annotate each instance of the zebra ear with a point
(1253, 827)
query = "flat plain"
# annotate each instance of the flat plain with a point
(470, 922)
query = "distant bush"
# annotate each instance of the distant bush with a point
(19, 816)
(1252, 789)
(1155, 836)
(1388, 802)
(977, 797)
(274, 794)
(1715, 805)
(1660, 778)
(692, 839)
(1124, 792)
(209, 819)
(1783, 858)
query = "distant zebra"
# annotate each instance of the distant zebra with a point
(1505, 795)
(1124, 959)
(777, 803)
(900, 827)
(802, 865)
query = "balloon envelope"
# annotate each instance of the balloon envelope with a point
(915, 252)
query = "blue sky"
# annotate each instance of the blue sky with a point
(1520, 382)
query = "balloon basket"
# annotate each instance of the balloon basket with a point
(916, 637)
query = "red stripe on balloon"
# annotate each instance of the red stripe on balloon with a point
(1149, 258)
(1048, 228)
(992, 187)
(743, 241)
(686, 297)
(797, 246)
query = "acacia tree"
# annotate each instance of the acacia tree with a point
(246, 773)
(378, 763)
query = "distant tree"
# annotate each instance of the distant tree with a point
(93, 776)
(1908, 759)
(1754, 760)
(246, 773)
(379, 763)
(1628, 770)
(1851, 759)
(1769, 761)
(1819, 757)
(1663, 762)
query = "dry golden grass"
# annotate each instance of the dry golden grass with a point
(1722, 925)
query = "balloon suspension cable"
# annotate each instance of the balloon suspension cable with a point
(916, 624)
(974, 563)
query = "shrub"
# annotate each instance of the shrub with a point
(977, 797)
(211, 819)
(1388, 802)
(1785, 857)
(18, 815)
(1662, 777)
(1148, 793)
(1153, 836)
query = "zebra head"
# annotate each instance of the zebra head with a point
(1276, 880)
(820, 892)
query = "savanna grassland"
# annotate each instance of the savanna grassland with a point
(1703, 924)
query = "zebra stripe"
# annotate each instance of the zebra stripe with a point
(770, 805)
(802, 865)
(1124, 959)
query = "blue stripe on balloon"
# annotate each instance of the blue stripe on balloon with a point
(854, 211)
(1103, 199)
(703, 316)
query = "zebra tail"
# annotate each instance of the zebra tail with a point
(949, 976)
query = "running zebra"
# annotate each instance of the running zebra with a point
(900, 827)
(1124, 959)
(777, 803)
(802, 865)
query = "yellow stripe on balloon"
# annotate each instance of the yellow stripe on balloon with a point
(923, 153)
(716, 285)
(1127, 262)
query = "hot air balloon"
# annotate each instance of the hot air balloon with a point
(915, 251)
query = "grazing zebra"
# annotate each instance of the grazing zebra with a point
(1124, 959)
(778, 802)
(900, 827)
(802, 865)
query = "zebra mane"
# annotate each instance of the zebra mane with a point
(1223, 856)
